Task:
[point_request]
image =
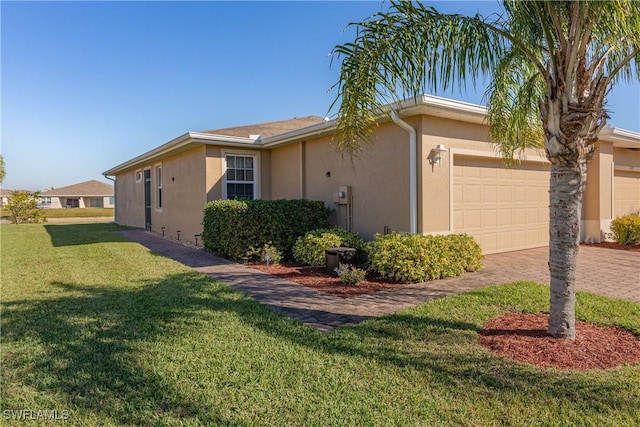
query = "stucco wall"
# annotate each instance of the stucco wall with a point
(597, 198)
(609, 170)
(183, 195)
(129, 199)
(213, 178)
(626, 182)
(379, 179)
(435, 182)
(106, 201)
(626, 157)
(55, 203)
(286, 169)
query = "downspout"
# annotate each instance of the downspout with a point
(115, 204)
(413, 177)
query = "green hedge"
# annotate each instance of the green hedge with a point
(412, 258)
(231, 228)
(310, 248)
(626, 230)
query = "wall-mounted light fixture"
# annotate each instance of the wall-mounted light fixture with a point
(437, 154)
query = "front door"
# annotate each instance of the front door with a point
(147, 199)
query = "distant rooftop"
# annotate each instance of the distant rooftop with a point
(87, 188)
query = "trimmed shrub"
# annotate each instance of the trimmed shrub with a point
(412, 258)
(626, 230)
(349, 274)
(465, 251)
(310, 248)
(231, 228)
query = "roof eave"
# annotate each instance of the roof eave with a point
(621, 138)
(426, 104)
(181, 142)
(448, 108)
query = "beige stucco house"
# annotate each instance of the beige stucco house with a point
(429, 169)
(4, 196)
(88, 194)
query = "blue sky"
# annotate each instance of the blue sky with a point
(88, 85)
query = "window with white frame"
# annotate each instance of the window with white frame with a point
(159, 187)
(240, 176)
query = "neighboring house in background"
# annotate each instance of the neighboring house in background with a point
(446, 178)
(89, 194)
(4, 196)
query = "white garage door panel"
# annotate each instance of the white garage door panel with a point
(503, 209)
(627, 192)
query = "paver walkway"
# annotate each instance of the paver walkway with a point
(602, 271)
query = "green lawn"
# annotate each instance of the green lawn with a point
(117, 335)
(71, 213)
(79, 213)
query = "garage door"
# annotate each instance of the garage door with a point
(504, 209)
(626, 193)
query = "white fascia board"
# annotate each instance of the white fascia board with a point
(189, 138)
(210, 138)
(442, 107)
(620, 137)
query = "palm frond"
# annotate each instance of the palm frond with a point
(513, 102)
(537, 54)
(404, 53)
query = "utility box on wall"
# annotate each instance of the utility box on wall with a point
(343, 196)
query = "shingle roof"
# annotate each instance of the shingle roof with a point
(88, 188)
(5, 193)
(269, 128)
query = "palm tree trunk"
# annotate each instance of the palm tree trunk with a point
(567, 183)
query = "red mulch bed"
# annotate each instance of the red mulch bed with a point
(523, 337)
(319, 278)
(614, 245)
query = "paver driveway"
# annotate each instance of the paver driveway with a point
(607, 272)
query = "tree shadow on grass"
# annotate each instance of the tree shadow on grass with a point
(448, 350)
(90, 341)
(83, 234)
(86, 346)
